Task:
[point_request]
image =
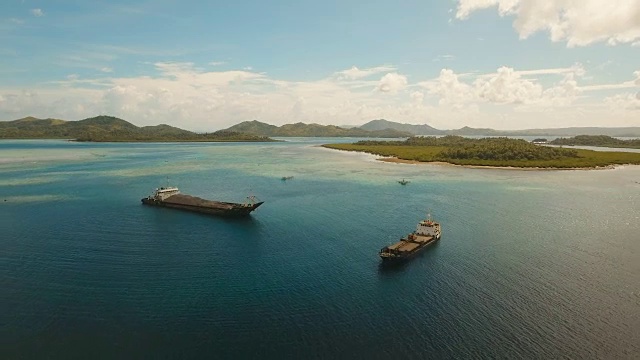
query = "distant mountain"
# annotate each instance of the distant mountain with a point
(311, 130)
(468, 131)
(254, 127)
(382, 124)
(571, 131)
(574, 131)
(108, 128)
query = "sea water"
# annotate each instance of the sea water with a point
(532, 264)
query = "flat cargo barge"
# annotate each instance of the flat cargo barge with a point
(171, 197)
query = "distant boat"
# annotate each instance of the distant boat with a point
(285, 178)
(403, 182)
(172, 198)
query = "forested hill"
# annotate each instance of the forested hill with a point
(598, 140)
(311, 130)
(469, 131)
(109, 128)
(382, 124)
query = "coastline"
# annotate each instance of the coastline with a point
(442, 163)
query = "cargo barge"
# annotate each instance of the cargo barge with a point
(427, 232)
(172, 198)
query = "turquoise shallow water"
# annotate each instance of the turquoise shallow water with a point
(541, 264)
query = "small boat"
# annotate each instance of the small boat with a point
(285, 178)
(403, 182)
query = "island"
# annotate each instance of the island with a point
(489, 152)
(111, 129)
(597, 140)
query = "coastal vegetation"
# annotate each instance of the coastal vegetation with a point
(597, 140)
(496, 152)
(110, 129)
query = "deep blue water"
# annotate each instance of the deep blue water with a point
(532, 264)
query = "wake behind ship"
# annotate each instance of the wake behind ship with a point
(427, 232)
(172, 198)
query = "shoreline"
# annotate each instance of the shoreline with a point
(396, 160)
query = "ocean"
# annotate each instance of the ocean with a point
(532, 264)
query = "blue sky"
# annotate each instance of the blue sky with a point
(199, 65)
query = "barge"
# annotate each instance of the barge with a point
(171, 197)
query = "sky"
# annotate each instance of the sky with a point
(207, 65)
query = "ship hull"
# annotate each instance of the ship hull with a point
(407, 255)
(212, 208)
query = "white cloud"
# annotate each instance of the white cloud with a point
(579, 23)
(392, 83)
(449, 89)
(626, 101)
(183, 95)
(217, 63)
(37, 12)
(417, 97)
(106, 69)
(564, 93)
(507, 86)
(355, 73)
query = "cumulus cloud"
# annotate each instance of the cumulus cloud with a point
(508, 86)
(183, 95)
(417, 97)
(37, 12)
(579, 23)
(355, 73)
(626, 101)
(449, 89)
(564, 93)
(391, 83)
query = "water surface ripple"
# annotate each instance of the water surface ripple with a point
(531, 264)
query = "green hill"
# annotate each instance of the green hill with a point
(109, 128)
(311, 130)
(382, 124)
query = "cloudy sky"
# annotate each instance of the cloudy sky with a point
(206, 65)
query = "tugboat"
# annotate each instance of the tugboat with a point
(172, 198)
(427, 233)
(285, 178)
(403, 182)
